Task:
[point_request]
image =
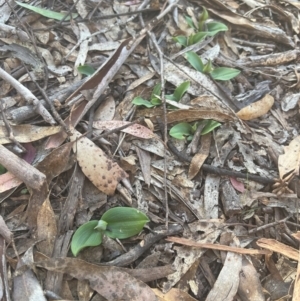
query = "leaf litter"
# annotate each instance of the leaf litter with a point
(74, 146)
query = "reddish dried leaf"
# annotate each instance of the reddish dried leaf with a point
(239, 186)
(136, 130)
(98, 168)
(110, 282)
(8, 181)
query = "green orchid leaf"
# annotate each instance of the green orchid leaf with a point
(46, 12)
(182, 40)
(181, 130)
(194, 60)
(139, 101)
(170, 97)
(210, 126)
(124, 222)
(224, 73)
(208, 67)
(156, 91)
(214, 27)
(2, 169)
(86, 70)
(180, 90)
(190, 22)
(204, 15)
(156, 101)
(86, 236)
(199, 36)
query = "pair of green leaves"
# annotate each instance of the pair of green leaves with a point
(155, 99)
(203, 29)
(220, 73)
(185, 130)
(119, 222)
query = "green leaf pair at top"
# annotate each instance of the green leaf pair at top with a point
(203, 29)
(118, 222)
(155, 99)
(185, 130)
(219, 73)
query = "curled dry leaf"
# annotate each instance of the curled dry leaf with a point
(136, 130)
(256, 109)
(110, 282)
(97, 167)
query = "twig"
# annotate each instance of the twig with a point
(269, 225)
(28, 96)
(9, 129)
(21, 169)
(49, 102)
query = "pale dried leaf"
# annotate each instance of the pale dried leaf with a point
(46, 228)
(26, 286)
(290, 160)
(136, 130)
(28, 133)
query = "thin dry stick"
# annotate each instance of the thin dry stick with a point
(49, 102)
(269, 225)
(162, 79)
(28, 96)
(9, 129)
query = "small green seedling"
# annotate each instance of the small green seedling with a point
(203, 29)
(118, 222)
(155, 98)
(219, 73)
(184, 130)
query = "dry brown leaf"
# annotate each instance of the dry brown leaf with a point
(256, 109)
(174, 294)
(290, 160)
(110, 282)
(53, 165)
(98, 168)
(276, 246)
(200, 157)
(136, 130)
(27, 133)
(46, 228)
(193, 115)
